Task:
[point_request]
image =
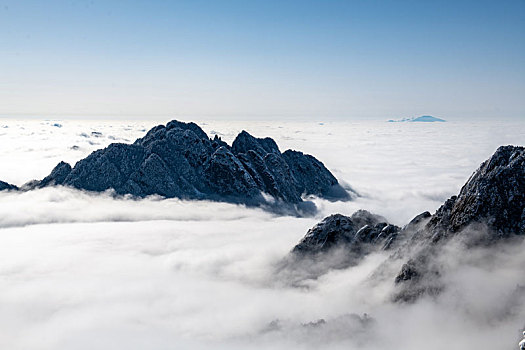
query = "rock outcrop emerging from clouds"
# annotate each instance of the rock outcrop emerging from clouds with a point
(356, 233)
(180, 160)
(490, 207)
(338, 241)
(494, 195)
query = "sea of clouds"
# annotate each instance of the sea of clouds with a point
(85, 271)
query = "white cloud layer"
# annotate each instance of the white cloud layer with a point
(87, 271)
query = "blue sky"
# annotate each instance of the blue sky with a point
(263, 59)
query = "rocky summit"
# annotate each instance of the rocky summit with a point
(337, 242)
(179, 160)
(353, 233)
(494, 195)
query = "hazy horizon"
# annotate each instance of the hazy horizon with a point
(160, 119)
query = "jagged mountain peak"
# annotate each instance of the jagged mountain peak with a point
(494, 195)
(349, 232)
(245, 142)
(180, 160)
(492, 200)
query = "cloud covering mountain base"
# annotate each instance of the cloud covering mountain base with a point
(209, 284)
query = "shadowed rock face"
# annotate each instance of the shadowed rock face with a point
(6, 186)
(348, 232)
(492, 202)
(179, 160)
(337, 242)
(311, 177)
(57, 176)
(494, 195)
(245, 142)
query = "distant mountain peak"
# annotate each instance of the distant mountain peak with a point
(423, 118)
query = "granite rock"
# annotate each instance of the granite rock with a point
(180, 160)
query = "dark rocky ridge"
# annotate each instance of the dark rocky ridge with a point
(494, 195)
(353, 233)
(180, 160)
(338, 241)
(490, 207)
(6, 186)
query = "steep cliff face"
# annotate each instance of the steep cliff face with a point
(494, 195)
(179, 160)
(489, 208)
(311, 177)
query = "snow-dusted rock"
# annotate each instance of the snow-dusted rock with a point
(179, 160)
(338, 241)
(489, 207)
(360, 232)
(494, 195)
